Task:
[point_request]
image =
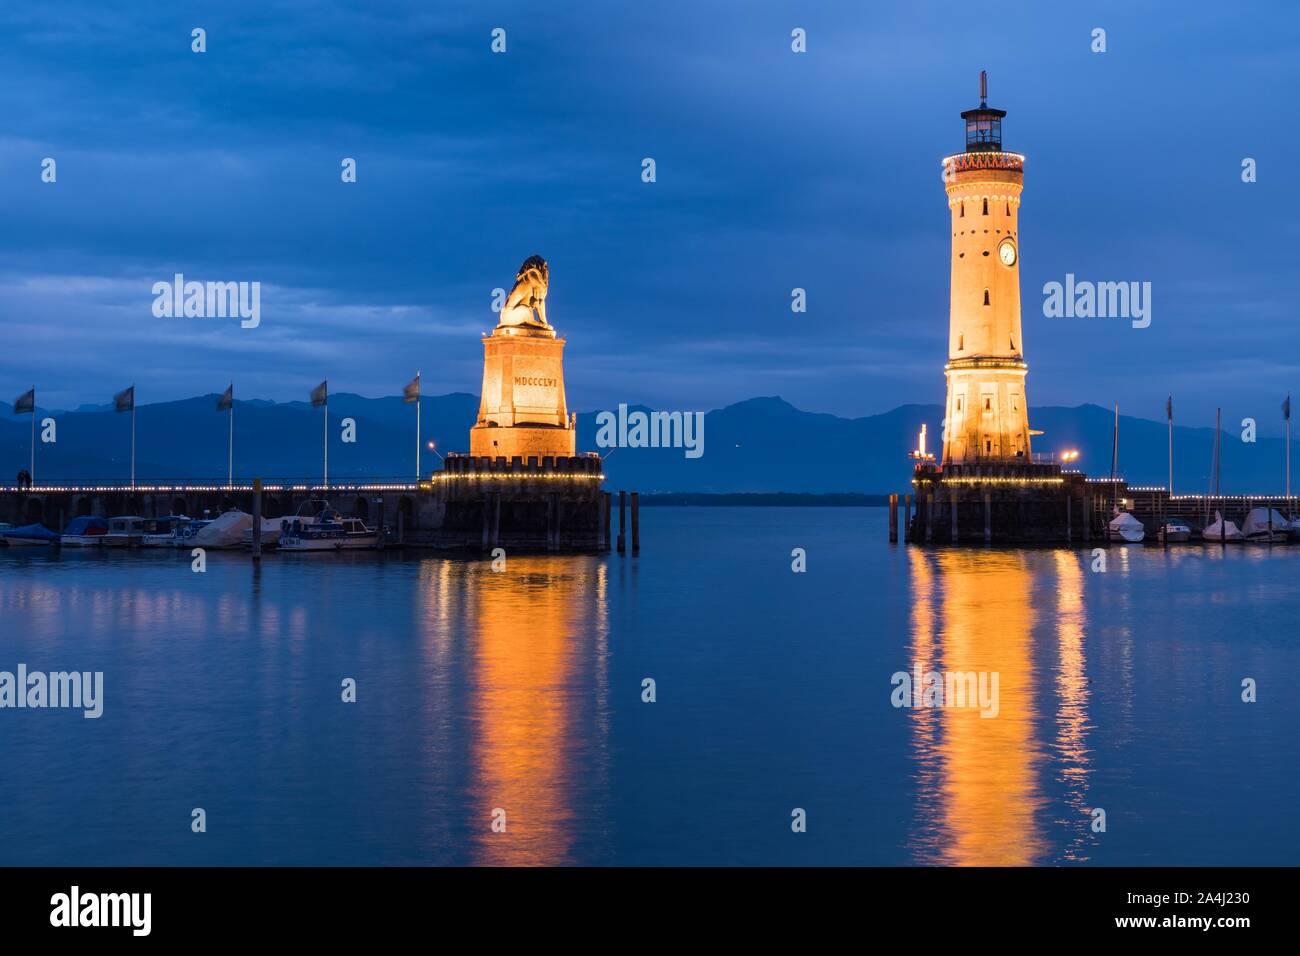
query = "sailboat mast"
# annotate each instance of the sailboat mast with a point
(1218, 412)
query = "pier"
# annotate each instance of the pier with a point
(474, 504)
(1041, 504)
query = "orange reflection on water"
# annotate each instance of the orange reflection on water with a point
(1072, 699)
(981, 771)
(531, 706)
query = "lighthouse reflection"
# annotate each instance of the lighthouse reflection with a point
(537, 710)
(980, 780)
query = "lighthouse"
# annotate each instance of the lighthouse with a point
(986, 418)
(987, 487)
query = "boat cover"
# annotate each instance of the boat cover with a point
(36, 532)
(86, 525)
(1127, 526)
(226, 531)
(1257, 522)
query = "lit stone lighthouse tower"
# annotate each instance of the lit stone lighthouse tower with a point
(986, 408)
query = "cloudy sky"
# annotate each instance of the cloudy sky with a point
(775, 170)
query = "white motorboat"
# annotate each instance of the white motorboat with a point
(331, 532)
(1221, 530)
(1174, 530)
(310, 512)
(161, 532)
(126, 531)
(185, 531)
(1126, 529)
(1266, 525)
(84, 532)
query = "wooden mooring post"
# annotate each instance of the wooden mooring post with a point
(893, 518)
(636, 523)
(605, 508)
(622, 521)
(907, 518)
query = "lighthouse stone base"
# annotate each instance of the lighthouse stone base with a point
(1002, 502)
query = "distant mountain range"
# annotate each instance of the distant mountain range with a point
(758, 445)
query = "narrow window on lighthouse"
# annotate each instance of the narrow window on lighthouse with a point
(963, 211)
(986, 207)
(1008, 209)
(961, 347)
(986, 296)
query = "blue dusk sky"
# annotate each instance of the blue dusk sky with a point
(775, 170)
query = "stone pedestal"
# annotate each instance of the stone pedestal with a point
(1008, 502)
(523, 412)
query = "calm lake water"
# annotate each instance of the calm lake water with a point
(522, 690)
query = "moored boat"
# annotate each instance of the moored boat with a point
(310, 512)
(29, 535)
(1126, 529)
(84, 532)
(126, 531)
(1175, 530)
(161, 532)
(185, 531)
(330, 532)
(224, 531)
(1266, 525)
(1221, 530)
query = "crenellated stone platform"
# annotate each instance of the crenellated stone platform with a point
(521, 504)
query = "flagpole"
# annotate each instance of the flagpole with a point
(327, 445)
(1171, 446)
(417, 426)
(230, 448)
(133, 436)
(1287, 416)
(31, 472)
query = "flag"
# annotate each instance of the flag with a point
(227, 400)
(25, 402)
(1286, 409)
(1169, 408)
(411, 392)
(124, 401)
(320, 394)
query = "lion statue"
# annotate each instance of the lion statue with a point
(528, 296)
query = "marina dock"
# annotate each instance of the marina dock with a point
(1051, 507)
(475, 504)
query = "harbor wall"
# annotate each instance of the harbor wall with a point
(474, 504)
(1011, 503)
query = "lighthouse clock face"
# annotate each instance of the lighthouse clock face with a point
(1007, 251)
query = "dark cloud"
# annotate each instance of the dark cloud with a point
(774, 171)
